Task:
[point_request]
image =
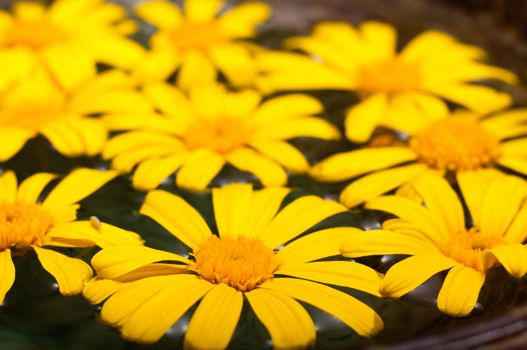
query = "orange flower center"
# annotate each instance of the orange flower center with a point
(23, 224)
(221, 135)
(457, 143)
(240, 262)
(198, 36)
(35, 35)
(392, 76)
(469, 248)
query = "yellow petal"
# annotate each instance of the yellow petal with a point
(76, 186)
(516, 233)
(513, 257)
(299, 127)
(150, 173)
(138, 140)
(317, 245)
(97, 290)
(382, 242)
(362, 119)
(518, 164)
(515, 148)
(287, 322)
(171, 101)
(160, 13)
(156, 65)
(8, 186)
(199, 170)
(116, 261)
(196, 69)
(266, 170)
(339, 273)
(13, 139)
(156, 315)
(217, 315)
(71, 274)
(460, 291)
(376, 184)
(202, 10)
(380, 40)
(406, 275)
(242, 20)
(265, 205)
(236, 62)
(297, 217)
(232, 204)
(283, 153)
(7, 273)
(31, 188)
(177, 216)
(349, 310)
(286, 107)
(343, 166)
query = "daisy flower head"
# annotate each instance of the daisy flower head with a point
(436, 237)
(462, 143)
(252, 257)
(66, 39)
(29, 223)
(431, 66)
(200, 39)
(39, 106)
(199, 132)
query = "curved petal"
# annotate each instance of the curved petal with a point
(177, 216)
(7, 273)
(151, 172)
(265, 204)
(113, 262)
(199, 170)
(380, 40)
(362, 119)
(516, 233)
(356, 315)
(296, 218)
(317, 128)
(410, 273)
(71, 274)
(232, 205)
(235, 61)
(343, 166)
(97, 290)
(76, 186)
(160, 13)
(287, 322)
(172, 102)
(286, 107)
(201, 10)
(513, 257)
(339, 273)
(13, 139)
(242, 20)
(196, 69)
(266, 170)
(376, 184)
(31, 188)
(284, 154)
(460, 291)
(8, 186)
(518, 164)
(217, 315)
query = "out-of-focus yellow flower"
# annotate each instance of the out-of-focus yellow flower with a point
(462, 143)
(200, 39)
(436, 238)
(66, 39)
(38, 106)
(431, 66)
(254, 257)
(200, 132)
(28, 222)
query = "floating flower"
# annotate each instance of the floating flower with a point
(436, 238)
(28, 223)
(432, 66)
(255, 258)
(39, 106)
(66, 39)
(199, 133)
(461, 143)
(202, 40)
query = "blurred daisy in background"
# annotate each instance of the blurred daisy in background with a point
(254, 258)
(431, 66)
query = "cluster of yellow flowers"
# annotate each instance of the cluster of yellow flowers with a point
(203, 95)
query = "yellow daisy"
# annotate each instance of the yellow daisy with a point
(436, 238)
(200, 132)
(27, 222)
(39, 106)
(66, 39)
(431, 66)
(254, 259)
(462, 143)
(201, 40)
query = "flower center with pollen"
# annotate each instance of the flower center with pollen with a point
(33, 34)
(198, 36)
(240, 262)
(392, 76)
(221, 135)
(469, 248)
(23, 224)
(457, 143)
